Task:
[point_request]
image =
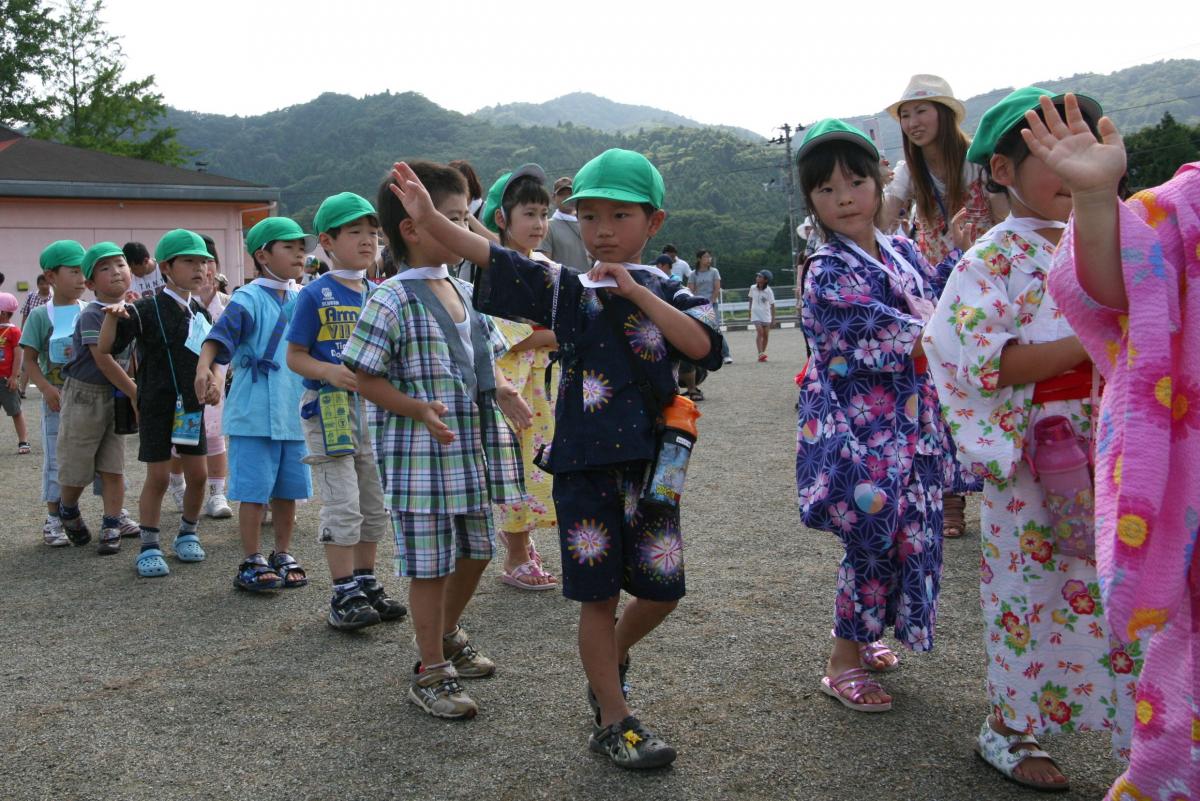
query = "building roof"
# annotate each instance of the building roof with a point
(37, 168)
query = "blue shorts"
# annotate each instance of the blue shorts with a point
(261, 468)
(610, 542)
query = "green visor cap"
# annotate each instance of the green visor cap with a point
(180, 242)
(340, 209)
(831, 130)
(63, 253)
(98, 251)
(495, 195)
(620, 175)
(277, 229)
(1009, 112)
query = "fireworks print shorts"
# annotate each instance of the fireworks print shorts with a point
(611, 543)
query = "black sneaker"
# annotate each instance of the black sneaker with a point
(594, 703)
(631, 745)
(387, 606)
(352, 611)
(77, 531)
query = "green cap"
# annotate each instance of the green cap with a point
(180, 242)
(340, 209)
(1009, 112)
(495, 196)
(620, 175)
(277, 229)
(63, 253)
(831, 130)
(98, 251)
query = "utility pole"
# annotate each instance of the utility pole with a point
(789, 172)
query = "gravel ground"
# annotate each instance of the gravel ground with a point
(182, 688)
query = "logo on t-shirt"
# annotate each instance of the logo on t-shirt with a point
(337, 322)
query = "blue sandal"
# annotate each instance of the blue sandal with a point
(187, 548)
(286, 566)
(151, 564)
(252, 575)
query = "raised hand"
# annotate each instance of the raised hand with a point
(412, 193)
(1070, 149)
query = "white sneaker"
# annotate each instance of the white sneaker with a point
(176, 494)
(53, 534)
(729, 360)
(217, 506)
(127, 525)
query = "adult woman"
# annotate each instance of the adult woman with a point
(936, 174)
(706, 283)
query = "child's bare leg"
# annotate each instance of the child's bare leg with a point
(766, 337)
(250, 526)
(460, 586)
(284, 512)
(195, 472)
(426, 604)
(112, 491)
(639, 618)
(363, 556)
(19, 425)
(844, 657)
(598, 652)
(153, 490)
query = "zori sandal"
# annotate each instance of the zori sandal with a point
(517, 577)
(287, 567)
(255, 575)
(1003, 752)
(187, 548)
(151, 564)
(850, 686)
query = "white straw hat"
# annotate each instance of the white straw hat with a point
(932, 88)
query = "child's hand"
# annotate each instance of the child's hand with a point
(53, 398)
(411, 192)
(961, 231)
(432, 416)
(213, 396)
(625, 287)
(341, 376)
(12, 383)
(514, 407)
(1069, 148)
(201, 385)
(118, 309)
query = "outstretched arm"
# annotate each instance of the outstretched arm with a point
(1091, 170)
(412, 193)
(687, 335)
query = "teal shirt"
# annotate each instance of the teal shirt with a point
(36, 335)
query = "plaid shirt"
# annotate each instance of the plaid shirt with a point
(398, 337)
(32, 301)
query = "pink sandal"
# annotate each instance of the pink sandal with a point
(525, 570)
(874, 657)
(850, 686)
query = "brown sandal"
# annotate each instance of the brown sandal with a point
(954, 523)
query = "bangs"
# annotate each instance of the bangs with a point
(818, 166)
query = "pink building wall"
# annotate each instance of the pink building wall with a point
(27, 225)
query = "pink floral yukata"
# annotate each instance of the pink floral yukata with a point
(1051, 664)
(1148, 474)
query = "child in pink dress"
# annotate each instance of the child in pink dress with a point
(1123, 286)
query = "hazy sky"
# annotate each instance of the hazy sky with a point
(750, 63)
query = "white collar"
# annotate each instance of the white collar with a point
(350, 275)
(271, 283)
(441, 271)
(186, 304)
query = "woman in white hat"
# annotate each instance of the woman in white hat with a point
(936, 174)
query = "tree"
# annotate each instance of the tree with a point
(1155, 153)
(25, 32)
(88, 102)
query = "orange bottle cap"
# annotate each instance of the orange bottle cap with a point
(682, 415)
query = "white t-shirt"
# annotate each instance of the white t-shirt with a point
(681, 270)
(902, 184)
(761, 301)
(143, 286)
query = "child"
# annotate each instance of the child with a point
(352, 518)
(605, 429)
(88, 443)
(420, 354)
(266, 445)
(1004, 358)
(762, 310)
(10, 369)
(517, 209)
(873, 454)
(1120, 274)
(170, 328)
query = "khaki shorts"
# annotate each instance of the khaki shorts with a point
(352, 509)
(87, 442)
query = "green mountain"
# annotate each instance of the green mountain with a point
(593, 111)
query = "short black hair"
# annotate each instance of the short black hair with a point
(440, 180)
(211, 247)
(818, 165)
(526, 189)
(135, 252)
(1012, 145)
(41, 278)
(670, 249)
(336, 230)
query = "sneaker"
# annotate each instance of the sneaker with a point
(351, 611)
(217, 506)
(631, 745)
(127, 525)
(53, 534)
(762, 357)
(387, 607)
(110, 541)
(77, 532)
(438, 692)
(468, 663)
(594, 703)
(175, 492)
(729, 360)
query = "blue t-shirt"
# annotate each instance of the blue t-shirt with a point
(326, 312)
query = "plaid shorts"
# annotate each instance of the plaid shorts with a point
(427, 545)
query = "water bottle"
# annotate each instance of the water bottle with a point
(124, 419)
(665, 476)
(1061, 465)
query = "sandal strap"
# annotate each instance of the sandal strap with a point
(282, 560)
(1001, 750)
(855, 681)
